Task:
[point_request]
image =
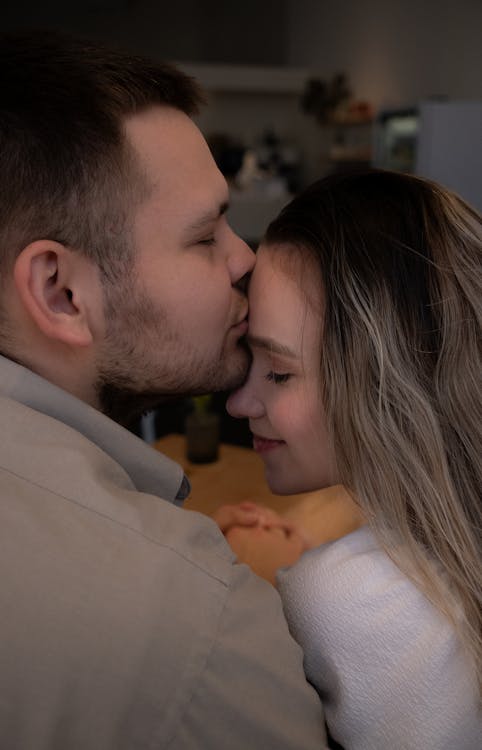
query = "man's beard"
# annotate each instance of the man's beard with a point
(124, 399)
(130, 381)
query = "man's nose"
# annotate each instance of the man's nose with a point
(244, 403)
(241, 261)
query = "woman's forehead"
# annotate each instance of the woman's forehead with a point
(280, 306)
(297, 266)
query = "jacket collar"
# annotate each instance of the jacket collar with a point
(149, 470)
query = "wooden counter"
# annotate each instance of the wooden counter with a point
(239, 475)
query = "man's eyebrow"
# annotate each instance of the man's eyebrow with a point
(271, 345)
(209, 217)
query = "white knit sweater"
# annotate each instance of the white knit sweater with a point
(387, 665)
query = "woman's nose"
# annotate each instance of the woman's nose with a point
(244, 403)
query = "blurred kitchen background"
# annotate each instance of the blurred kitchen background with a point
(300, 88)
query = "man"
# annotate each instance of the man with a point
(125, 622)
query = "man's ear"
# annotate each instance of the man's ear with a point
(51, 282)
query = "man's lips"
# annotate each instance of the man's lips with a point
(265, 445)
(241, 327)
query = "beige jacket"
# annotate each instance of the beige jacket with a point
(124, 622)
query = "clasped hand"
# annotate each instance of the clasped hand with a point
(261, 538)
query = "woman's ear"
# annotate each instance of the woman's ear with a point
(52, 284)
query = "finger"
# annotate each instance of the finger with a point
(232, 515)
(303, 537)
(249, 505)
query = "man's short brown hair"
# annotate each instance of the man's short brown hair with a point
(66, 171)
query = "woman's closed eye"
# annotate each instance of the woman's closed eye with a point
(278, 378)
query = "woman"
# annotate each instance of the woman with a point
(365, 319)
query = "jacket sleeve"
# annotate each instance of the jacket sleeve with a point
(253, 689)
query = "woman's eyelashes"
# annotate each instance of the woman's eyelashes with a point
(278, 378)
(207, 241)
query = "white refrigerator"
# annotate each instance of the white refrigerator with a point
(440, 140)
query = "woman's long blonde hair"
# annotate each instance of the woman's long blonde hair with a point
(400, 262)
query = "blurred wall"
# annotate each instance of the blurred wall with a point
(394, 51)
(193, 30)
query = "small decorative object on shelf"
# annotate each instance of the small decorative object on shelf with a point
(202, 432)
(323, 98)
(347, 120)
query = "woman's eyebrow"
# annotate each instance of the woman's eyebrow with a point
(271, 345)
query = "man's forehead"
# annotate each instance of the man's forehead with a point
(168, 144)
(155, 119)
(178, 166)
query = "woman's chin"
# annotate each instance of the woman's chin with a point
(280, 485)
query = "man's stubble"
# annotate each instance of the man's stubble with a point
(144, 361)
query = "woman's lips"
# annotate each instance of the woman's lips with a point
(265, 445)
